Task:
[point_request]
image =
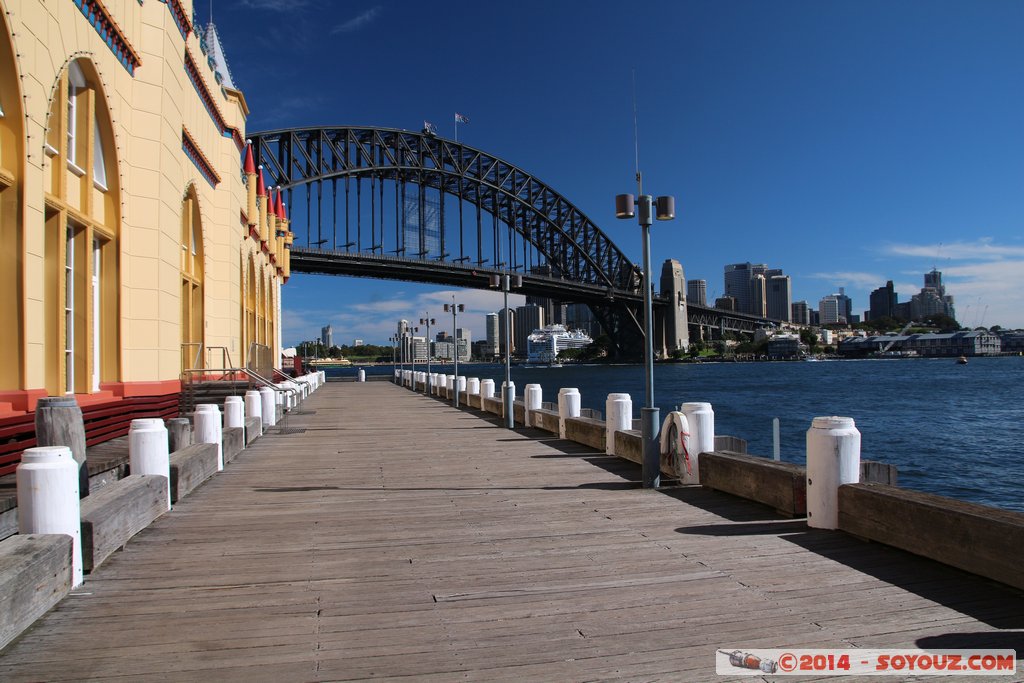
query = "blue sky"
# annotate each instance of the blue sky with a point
(846, 142)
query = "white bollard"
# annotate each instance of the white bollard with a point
(618, 417)
(254, 407)
(149, 451)
(568, 406)
(701, 419)
(460, 383)
(361, 375)
(533, 396)
(234, 412)
(47, 481)
(268, 407)
(449, 383)
(472, 386)
(833, 459)
(208, 428)
(486, 389)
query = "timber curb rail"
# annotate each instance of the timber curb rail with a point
(46, 559)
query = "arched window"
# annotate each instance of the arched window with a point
(82, 201)
(192, 325)
(12, 157)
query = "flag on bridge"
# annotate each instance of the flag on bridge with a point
(459, 118)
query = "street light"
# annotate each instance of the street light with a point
(394, 360)
(650, 424)
(506, 282)
(428, 321)
(455, 310)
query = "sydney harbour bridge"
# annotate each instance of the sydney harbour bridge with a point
(402, 205)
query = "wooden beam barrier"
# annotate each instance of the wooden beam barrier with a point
(545, 419)
(117, 512)
(977, 538)
(587, 431)
(35, 574)
(780, 485)
(190, 467)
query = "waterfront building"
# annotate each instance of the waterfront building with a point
(783, 346)
(882, 302)
(697, 292)
(528, 317)
(491, 329)
(506, 316)
(544, 345)
(327, 337)
(464, 342)
(950, 345)
(137, 234)
(420, 349)
(779, 298)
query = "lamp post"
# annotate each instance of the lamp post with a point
(506, 282)
(664, 209)
(412, 353)
(428, 321)
(455, 310)
(394, 360)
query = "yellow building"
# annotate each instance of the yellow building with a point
(131, 245)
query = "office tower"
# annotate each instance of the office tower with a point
(491, 327)
(831, 309)
(726, 303)
(697, 292)
(845, 306)
(801, 314)
(527, 319)
(506, 316)
(327, 337)
(463, 342)
(882, 302)
(580, 317)
(758, 295)
(404, 331)
(780, 298)
(739, 279)
(932, 300)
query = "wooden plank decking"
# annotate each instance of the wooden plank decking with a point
(377, 533)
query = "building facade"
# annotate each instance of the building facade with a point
(697, 292)
(528, 319)
(137, 240)
(491, 333)
(780, 298)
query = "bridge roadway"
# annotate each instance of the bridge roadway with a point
(381, 534)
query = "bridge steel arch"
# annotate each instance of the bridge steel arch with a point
(574, 247)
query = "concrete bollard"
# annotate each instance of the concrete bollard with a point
(460, 383)
(618, 416)
(179, 434)
(833, 459)
(47, 481)
(234, 412)
(268, 407)
(533, 397)
(59, 423)
(486, 389)
(701, 420)
(472, 386)
(361, 375)
(209, 429)
(148, 450)
(568, 406)
(254, 406)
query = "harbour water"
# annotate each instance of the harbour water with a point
(954, 430)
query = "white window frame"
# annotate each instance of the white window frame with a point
(69, 310)
(99, 164)
(76, 84)
(96, 308)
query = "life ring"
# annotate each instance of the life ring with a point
(675, 446)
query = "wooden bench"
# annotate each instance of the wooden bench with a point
(969, 536)
(190, 467)
(35, 573)
(117, 512)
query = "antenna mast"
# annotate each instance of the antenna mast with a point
(636, 141)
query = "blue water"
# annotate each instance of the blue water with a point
(954, 430)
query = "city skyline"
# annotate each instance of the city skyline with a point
(849, 143)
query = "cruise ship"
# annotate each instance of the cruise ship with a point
(544, 345)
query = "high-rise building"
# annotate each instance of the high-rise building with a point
(726, 303)
(830, 310)
(528, 319)
(882, 302)
(779, 298)
(845, 306)
(580, 317)
(932, 299)
(801, 314)
(464, 342)
(419, 348)
(506, 316)
(697, 292)
(404, 334)
(758, 295)
(491, 328)
(327, 336)
(739, 283)
(358, 342)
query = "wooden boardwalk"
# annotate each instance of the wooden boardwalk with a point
(435, 545)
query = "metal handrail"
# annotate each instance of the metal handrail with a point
(259, 379)
(199, 353)
(225, 355)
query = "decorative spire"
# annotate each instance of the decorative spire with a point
(261, 187)
(279, 207)
(249, 166)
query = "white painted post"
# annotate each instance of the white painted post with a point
(701, 419)
(511, 398)
(361, 375)
(533, 397)
(472, 386)
(486, 389)
(234, 412)
(254, 407)
(268, 407)
(618, 417)
(833, 459)
(206, 422)
(148, 450)
(460, 383)
(47, 481)
(568, 406)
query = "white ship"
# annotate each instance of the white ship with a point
(544, 345)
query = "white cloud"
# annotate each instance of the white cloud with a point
(982, 248)
(357, 22)
(273, 5)
(851, 278)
